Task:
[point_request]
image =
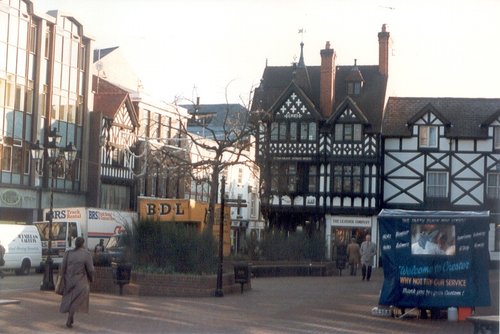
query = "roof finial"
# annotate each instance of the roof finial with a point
(301, 59)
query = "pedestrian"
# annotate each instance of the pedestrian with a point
(99, 248)
(368, 250)
(354, 256)
(2, 260)
(77, 270)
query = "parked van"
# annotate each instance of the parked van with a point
(23, 247)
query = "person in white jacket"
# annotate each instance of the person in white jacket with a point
(368, 250)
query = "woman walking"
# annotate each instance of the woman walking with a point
(77, 271)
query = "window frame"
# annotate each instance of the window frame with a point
(433, 190)
(355, 132)
(347, 179)
(496, 137)
(425, 136)
(493, 188)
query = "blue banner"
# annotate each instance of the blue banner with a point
(434, 258)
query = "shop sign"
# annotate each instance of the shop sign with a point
(351, 221)
(10, 197)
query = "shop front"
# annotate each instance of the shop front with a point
(340, 229)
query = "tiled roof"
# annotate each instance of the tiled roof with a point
(371, 101)
(236, 114)
(466, 115)
(109, 98)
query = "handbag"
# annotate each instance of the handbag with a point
(60, 284)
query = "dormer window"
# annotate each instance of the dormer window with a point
(428, 136)
(354, 81)
(354, 88)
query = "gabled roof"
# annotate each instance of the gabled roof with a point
(276, 79)
(348, 102)
(465, 115)
(428, 109)
(294, 88)
(109, 98)
(491, 119)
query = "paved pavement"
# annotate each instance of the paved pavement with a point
(274, 305)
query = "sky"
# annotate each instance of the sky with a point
(218, 49)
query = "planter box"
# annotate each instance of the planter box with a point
(280, 269)
(171, 285)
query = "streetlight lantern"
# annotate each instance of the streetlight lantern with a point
(36, 151)
(70, 153)
(57, 158)
(54, 137)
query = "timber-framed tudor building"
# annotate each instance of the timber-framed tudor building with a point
(334, 149)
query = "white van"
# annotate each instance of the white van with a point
(23, 247)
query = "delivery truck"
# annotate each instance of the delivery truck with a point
(90, 223)
(23, 248)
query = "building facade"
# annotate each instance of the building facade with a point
(444, 154)
(44, 91)
(113, 134)
(319, 145)
(148, 130)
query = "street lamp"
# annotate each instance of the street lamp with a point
(57, 159)
(219, 292)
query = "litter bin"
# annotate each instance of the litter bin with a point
(121, 273)
(241, 273)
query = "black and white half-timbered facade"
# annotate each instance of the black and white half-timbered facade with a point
(113, 129)
(319, 145)
(443, 154)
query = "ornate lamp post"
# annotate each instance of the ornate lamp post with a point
(57, 159)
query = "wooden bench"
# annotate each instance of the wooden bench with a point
(485, 324)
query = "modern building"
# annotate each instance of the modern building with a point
(319, 145)
(443, 154)
(44, 97)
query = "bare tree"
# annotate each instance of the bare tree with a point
(204, 158)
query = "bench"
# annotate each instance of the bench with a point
(485, 324)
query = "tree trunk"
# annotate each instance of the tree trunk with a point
(214, 188)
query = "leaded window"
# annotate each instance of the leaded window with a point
(348, 132)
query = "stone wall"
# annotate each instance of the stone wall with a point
(149, 284)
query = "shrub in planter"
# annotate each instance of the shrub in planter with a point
(172, 247)
(278, 245)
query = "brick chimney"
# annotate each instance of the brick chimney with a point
(383, 51)
(327, 80)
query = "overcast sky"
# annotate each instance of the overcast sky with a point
(189, 48)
